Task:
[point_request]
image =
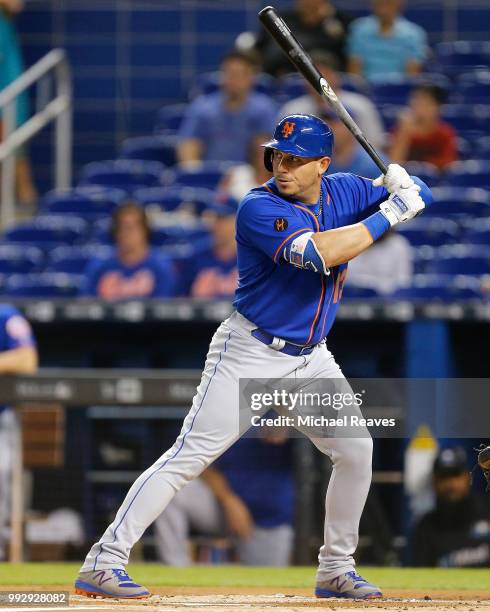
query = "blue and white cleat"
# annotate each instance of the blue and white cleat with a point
(348, 586)
(113, 583)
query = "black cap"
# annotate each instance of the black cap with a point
(450, 462)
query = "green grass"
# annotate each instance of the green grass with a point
(32, 574)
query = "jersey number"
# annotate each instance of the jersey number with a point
(339, 285)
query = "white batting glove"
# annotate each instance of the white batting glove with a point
(396, 178)
(402, 206)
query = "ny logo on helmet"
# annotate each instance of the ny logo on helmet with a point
(288, 129)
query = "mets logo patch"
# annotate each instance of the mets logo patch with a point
(288, 128)
(280, 224)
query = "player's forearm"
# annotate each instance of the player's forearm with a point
(21, 360)
(340, 245)
(217, 483)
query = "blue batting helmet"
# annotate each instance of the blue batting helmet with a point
(301, 135)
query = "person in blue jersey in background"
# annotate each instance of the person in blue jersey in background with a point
(248, 494)
(18, 355)
(135, 270)
(295, 236)
(214, 273)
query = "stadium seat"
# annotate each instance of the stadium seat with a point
(169, 118)
(206, 175)
(428, 173)
(470, 173)
(474, 87)
(88, 201)
(397, 91)
(19, 259)
(128, 174)
(47, 285)
(483, 148)
(469, 121)
(433, 231)
(209, 82)
(291, 86)
(477, 231)
(151, 148)
(355, 83)
(461, 259)
(191, 199)
(74, 260)
(437, 288)
(458, 201)
(390, 114)
(461, 55)
(48, 231)
(357, 292)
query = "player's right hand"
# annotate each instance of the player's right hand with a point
(237, 516)
(396, 178)
(403, 205)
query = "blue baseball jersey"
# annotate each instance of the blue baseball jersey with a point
(15, 331)
(110, 279)
(292, 303)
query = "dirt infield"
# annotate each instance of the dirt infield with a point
(221, 599)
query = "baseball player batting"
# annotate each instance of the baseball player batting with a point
(295, 236)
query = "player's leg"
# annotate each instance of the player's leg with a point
(210, 427)
(351, 455)
(267, 546)
(194, 507)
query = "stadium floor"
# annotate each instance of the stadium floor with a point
(220, 588)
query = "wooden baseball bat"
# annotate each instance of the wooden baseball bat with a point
(278, 29)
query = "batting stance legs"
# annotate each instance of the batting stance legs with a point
(210, 427)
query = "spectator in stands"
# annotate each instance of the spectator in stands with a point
(420, 134)
(135, 270)
(317, 24)
(367, 116)
(456, 533)
(11, 68)
(222, 126)
(386, 267)
(238, 181)
(18, 355)
(214, 274)
(348, 155)
(385, 45)
(230, 499)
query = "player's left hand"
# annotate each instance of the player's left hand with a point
(395, 179)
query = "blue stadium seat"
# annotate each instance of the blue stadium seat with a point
(397, 91)
(474, 87)
(191, 199)
(209, 82)
(461, 55)
(169, 118)
(459, 201)
(428, 173)
(151, 148)
(19, 259)
(477, 231)
(433, 231)
(47, 231)
(46, 284)
(429, 288)
(355, 83)
(128, 174)
(74, 260)
(483, 148)
(469, 121)
(357, 292)
(461, 259)
(470, 173)
(89, 201)
(206, 175)
(291, 86)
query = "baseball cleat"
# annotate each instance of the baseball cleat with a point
(348, 586)
(109, 583)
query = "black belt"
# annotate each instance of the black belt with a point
(295, 350)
